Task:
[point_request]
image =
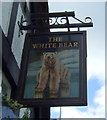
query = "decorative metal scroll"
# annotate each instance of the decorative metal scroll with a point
(53, 20)
(63, 20)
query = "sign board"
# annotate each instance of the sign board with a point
(53, 70)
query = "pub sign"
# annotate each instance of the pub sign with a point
(53, 70)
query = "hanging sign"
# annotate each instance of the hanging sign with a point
(53, 70)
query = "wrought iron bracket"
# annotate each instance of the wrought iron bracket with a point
(54, 20)
(20, 24)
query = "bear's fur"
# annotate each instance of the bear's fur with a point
(57, 74)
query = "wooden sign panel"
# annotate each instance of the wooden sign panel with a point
(53, 70)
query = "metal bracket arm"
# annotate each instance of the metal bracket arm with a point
(54, 20)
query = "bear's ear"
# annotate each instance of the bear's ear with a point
(55, 52)
(44, 53)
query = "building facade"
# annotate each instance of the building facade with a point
(12, 39)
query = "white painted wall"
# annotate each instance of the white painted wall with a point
(5, 16)
(18, 42)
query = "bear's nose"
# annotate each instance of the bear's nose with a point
(49, 57)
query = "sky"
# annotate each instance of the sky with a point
(95, 59)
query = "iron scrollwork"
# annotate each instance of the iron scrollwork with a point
(57, 21)
(54, 20)
(21, 23)
(63, 20)
(88, 20)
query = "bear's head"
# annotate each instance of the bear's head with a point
(50, 59)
